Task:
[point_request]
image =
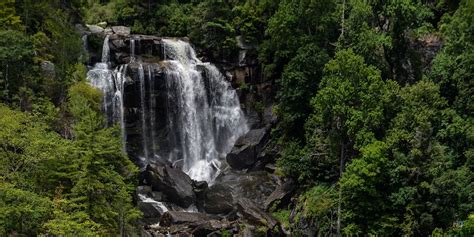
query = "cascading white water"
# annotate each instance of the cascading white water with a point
(201, 110)
(152, 104)
(111, 83)
(106, 50)
(119, 113)
(132, 50)
(141, 76)
(208, 117)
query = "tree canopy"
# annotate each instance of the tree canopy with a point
(373, 99)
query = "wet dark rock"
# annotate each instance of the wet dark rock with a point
(201, 184)
(145, 233)
(197, 225)
(254, 215)
(147, 47)
(265, 160)
(281, 195)
(175, 218)
(256, 186)
(244, 154)
(270, 168)
(158, 196)
(428, 46)
(200, 187)
(218, 199)
(178, 164)
(253, 119)
(212, 228)
(269, 116)
(241, 157)
(144, 190)
(151, 209)
(174, 183)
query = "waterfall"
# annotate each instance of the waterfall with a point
(106, 50)
(207, 118)
(182, 110)
(132, 50)
(85, 45)
(141, 76)
(111, 83)
(119, 115)
(152, 105)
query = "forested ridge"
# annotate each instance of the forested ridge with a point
(373, 100)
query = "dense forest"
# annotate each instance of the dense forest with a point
(374, 125)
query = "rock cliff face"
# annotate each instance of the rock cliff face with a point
(180, 118)
(172, 106)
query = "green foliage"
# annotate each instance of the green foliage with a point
(296, 24)
(318, 207)
(226, 233)
(349, 107)
(453, 68)
(298, 84)
(362, 36)
(364, 122)
(381, 33)
(178, 17)
(410, 182)
(16, 52)
(96, 12)
(91, 172)
(414, 146)
(36, 57)
(467, 228)
(291, 161)
(67, 222)
(102, 183)
(26, 148)
(8, 17)
(22, 211)
(363, 189)
(283, 216)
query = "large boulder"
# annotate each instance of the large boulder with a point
(213, 228)
(281, 195)
(191, 224)
(246, 149)
(143, 190)
(242, 157)
(81, 29)
(175, 218)
(121, 30)
(254, 215)
(256, 186)
(218, 199)
(95, 29)
(174, 183)
(151, 208)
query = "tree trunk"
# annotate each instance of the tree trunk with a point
(341, 170)
(343, 18)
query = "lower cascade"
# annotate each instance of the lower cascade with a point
(172, 108)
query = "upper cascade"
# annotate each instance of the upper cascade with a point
(172, 107)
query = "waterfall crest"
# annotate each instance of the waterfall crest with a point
(180, 110)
